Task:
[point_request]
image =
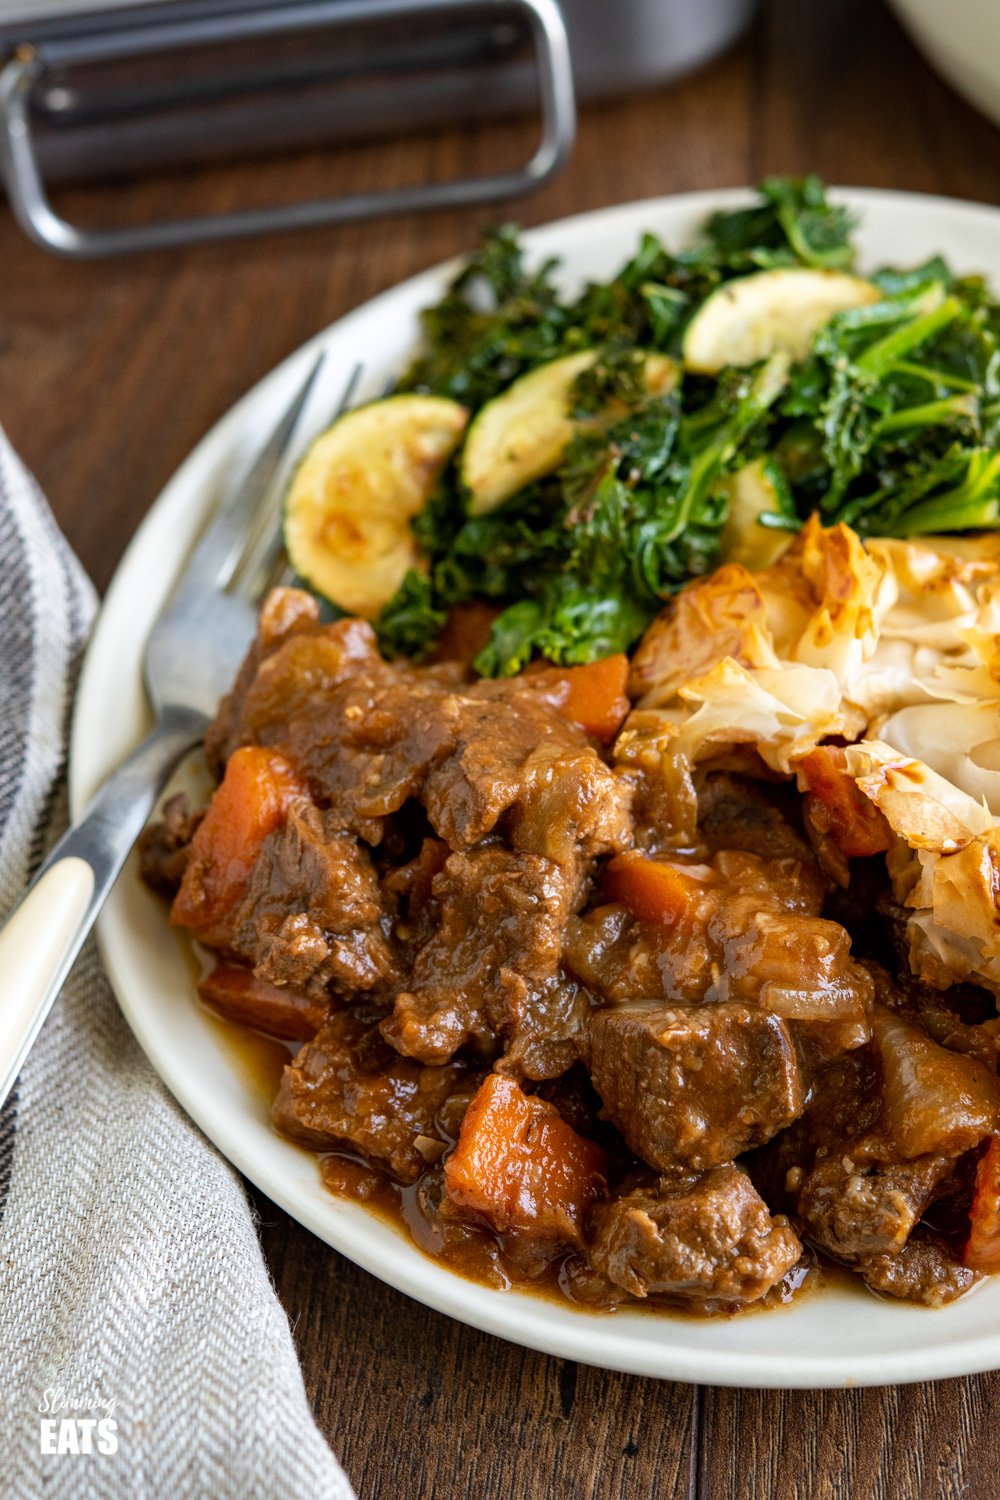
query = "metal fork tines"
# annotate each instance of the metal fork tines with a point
(191, 657)
(200, 637)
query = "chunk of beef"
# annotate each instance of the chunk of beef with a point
(551, 1035)
(923, 1271)
(857, 1201)
(365, 743)
(347, 1088)
(845, 1103)
(515, 755)
(360, 731)
(164, 846)
(495, 950)
(482, 776)
(570, 807)
(694, 1085)
(736, 813)
(239, 995)
(712, 1241)
(284, 613)
(311, 915)
(368, 735)
(840, 1169)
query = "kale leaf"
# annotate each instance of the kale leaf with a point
(794, 224)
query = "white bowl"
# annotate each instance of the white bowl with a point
(962, 40)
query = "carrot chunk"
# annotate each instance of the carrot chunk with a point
(521, 1167)
(251, 801)
(837, 806)
(982, 1250)
(592, 696)
(239, 995)
(652, 889)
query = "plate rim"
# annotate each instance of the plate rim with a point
(569, 1331)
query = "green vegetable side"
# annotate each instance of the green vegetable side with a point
(889, 419)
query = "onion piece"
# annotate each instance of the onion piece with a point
(936, 1101)
(823, 1003)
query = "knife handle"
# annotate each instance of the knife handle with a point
(47, 928)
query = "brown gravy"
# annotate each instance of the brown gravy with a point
(480, 1255)
(260, 1059)
(483, 1256)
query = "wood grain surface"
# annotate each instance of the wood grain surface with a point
(110, 372)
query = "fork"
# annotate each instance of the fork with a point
(190, 660)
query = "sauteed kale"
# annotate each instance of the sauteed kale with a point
(890, 421)
(501, 317)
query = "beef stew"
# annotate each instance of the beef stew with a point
(635, 1042)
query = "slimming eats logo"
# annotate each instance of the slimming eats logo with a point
(60, 1431)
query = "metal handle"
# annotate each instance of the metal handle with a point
(46, 930)
(34, 212)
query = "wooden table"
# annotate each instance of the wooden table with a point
(109, 373)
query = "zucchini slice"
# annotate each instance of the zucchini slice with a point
(754, 316)
(521, 434)
(759, 486)
(351, 500)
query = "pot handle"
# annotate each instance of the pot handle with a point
(34, 212)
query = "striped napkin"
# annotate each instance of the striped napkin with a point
(143, 1352)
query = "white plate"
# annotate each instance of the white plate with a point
(834, 1338)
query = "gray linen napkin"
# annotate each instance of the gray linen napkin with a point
(132, 1286)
